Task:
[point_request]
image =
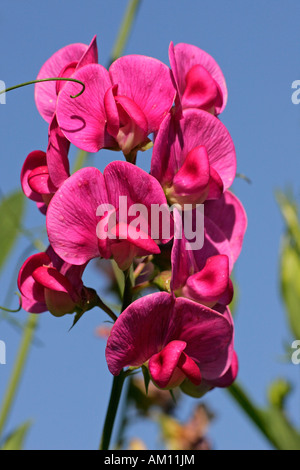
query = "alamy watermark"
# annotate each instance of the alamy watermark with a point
(2, 353)
(296, 354)
(2, 95)
(296, 94)
(137, 222)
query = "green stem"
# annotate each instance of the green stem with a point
(125, 29)
(106, 309)
(18, 370)
(118, 381)
(32, 82)
(115, 396)
(240, 396)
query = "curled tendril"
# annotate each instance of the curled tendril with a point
(47, 80)
(13, 311)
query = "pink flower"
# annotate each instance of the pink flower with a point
(193, 158)
(120, 107)
(47, 283)
(177, 339)
(226, 379)
(199, 80)
(86, 219)
(62, 63)
(43, 173)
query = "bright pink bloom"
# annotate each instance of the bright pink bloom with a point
(193, 158)
(199, 80)
(48, 283)
(43, 173)
(227, 378)
(85, 219)
(202, 278)
(176, 338)
(225, 226)
(62, 63)
(120, 107)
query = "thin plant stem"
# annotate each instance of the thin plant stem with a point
(18, 369)
(240, 397)
(41, 80)
(118, 380)
(125, 29)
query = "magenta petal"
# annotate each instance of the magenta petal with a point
(90, 56)
(163, 364)
(187, 56)
(133, 129)
(35, 159)
(175, 139)
(28, 287)
(228, 214)
(178, 104)
(148, 83)
(39, 181)
(230, 376)
(112, 114)
(57, 154)
(45, 93)
(182, 260)
(190, 184)
(83, 119)
(139, 332)
(216, 187)
(201, 89)
(126, 179)
(32, 306)
(152, 322)
(208, 337)
(52, 279)
(209, 284)
(71, 216)
(190, 369)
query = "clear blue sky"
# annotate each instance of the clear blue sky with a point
(66, 386)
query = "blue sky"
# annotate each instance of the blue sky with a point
(66, 385)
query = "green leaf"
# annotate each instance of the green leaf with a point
(271, 421)
(11, 214)
(146, 375)
(290, 285)
(278, 393)
(15, 440)
(289, 211)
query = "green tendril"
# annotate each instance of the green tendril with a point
(13, 311)
(47, 80)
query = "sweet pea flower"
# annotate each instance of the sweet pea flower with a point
(120, 107)
(225, 225)
(193, 158)
(46, 282)
(44, 172)
(209, 285)
(95, 215)
(61, 64)
(176, 338)
(199, 80)
(227, 378)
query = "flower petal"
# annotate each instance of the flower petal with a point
(45, 93)
(187, 56)
(71, 216)
(83, 119)
(228, 214)
(148, 83)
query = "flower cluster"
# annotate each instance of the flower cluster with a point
(182, 333)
